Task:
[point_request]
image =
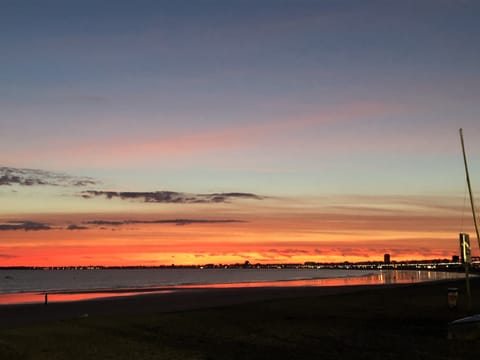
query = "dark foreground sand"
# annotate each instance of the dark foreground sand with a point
(177, 300)
(361, 322)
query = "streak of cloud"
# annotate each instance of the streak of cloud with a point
(76, 227)
(361, 253)
(171, 197)
(35, 177)
(168, 221)
(179, 144)
(289, 252)
(24, 225)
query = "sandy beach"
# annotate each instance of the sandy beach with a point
(393, 322)
(158, 301)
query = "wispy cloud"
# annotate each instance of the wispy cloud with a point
(36, 177)
(176, 145)
(168, 221)
(76, 227)
(329, 252)
(28, 225)
(171, 197)
(24, 225)
(289, 252)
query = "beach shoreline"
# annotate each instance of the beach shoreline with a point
(173, 299)
(76, 293)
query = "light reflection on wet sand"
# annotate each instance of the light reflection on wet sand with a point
(382, 278)
(34, 298)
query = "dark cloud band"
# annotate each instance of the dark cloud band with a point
(24, 225)
(35, 177)
(34, 226)
(171, 197)
(168, 221)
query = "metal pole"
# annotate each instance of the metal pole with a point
(467, 265)
(469, 188)
(469, 294)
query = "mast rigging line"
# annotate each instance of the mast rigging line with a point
(469, 187)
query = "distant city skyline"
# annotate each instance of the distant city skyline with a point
(189, 132)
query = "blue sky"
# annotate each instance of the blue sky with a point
(300, 99)
(403, 73)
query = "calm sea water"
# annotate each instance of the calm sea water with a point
(54, 280)
(27, 285)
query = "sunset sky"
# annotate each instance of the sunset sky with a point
(196, 131)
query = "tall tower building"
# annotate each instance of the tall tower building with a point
(386, 259)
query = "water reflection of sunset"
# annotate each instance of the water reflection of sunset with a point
(383, 278)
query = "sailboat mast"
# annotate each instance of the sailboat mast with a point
(469, 187)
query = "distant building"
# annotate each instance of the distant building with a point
(455, 258)
(386, 259)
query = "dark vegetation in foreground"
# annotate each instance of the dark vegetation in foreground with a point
(401, 322)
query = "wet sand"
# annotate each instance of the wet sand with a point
(161, 300)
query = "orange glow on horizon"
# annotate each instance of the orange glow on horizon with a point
(272, 231)
(153, 244)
